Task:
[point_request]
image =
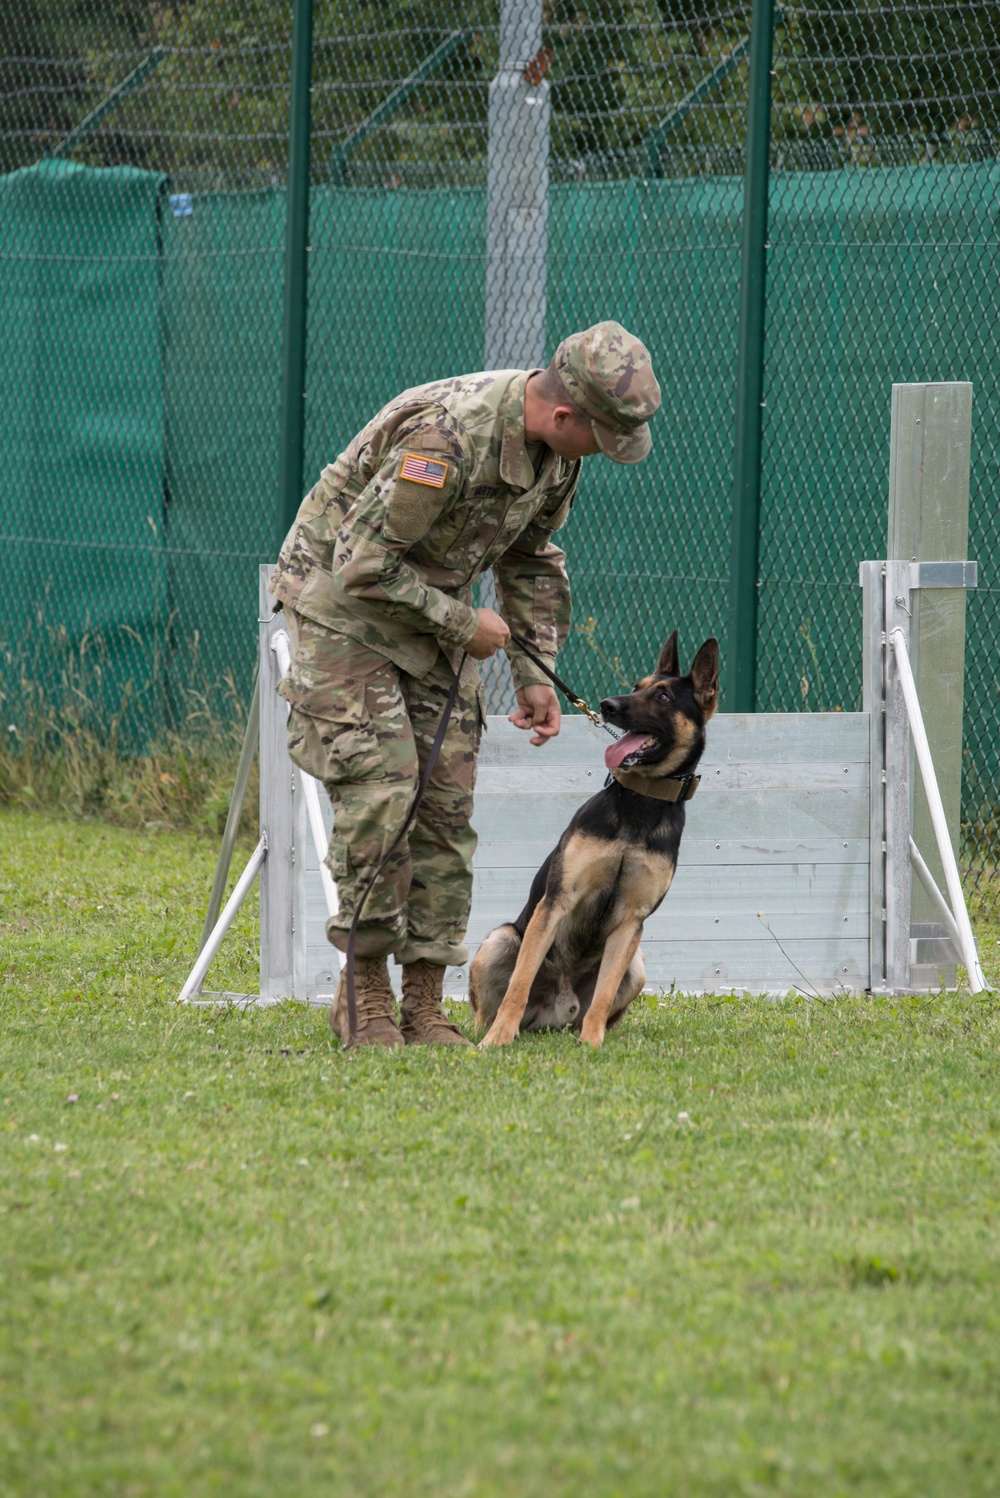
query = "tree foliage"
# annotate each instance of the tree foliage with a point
(868, 82)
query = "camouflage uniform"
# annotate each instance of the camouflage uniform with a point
(365, 728)
(377, 573)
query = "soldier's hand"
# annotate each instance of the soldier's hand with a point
(490, 637)
(538, 708)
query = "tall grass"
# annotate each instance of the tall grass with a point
(97, 730)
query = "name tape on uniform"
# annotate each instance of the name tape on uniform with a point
(423, 470)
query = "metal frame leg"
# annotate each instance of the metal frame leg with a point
(908, 687)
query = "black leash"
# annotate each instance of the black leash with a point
(432, 759)
(567, 691)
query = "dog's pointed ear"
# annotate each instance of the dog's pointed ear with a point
(668, 664)
(704, 675)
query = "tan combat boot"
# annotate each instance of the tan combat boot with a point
(376, 1005)
(422, 1018)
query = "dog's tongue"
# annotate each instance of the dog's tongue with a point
(615, 753)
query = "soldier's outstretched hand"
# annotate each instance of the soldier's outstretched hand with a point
(537, 708)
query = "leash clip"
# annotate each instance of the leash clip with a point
(568, 693)
(588, 712)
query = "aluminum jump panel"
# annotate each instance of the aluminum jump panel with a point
(772, 887)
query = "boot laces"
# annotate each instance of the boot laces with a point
(373, 991)
(423, 1000)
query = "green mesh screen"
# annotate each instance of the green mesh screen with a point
(142, 224)
(82, 440)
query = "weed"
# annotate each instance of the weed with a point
(587, 632)
(84, 733)
(869, 1269)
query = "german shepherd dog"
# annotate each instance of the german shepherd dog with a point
(572, 957)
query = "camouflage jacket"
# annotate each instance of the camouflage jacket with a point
(434, 490)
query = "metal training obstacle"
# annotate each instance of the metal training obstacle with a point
(815, 850)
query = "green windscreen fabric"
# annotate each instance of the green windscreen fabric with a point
(222, 289)
(649, 544)
(396, 298)
(396, 285)
(142, 434)
(82, 441)
(886, 280)
(874, 278)
(381, 314)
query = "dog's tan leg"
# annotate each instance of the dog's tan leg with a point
(629, 989)
(490, 972)
(619, 949)
(537, 940)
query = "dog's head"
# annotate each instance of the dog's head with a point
(664, 715)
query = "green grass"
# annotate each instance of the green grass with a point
(72, 741)
(747, 1248)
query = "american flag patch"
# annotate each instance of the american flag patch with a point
(423, 470)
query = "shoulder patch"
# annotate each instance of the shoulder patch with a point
(430, 471)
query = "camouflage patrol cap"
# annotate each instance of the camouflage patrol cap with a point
(608, 373)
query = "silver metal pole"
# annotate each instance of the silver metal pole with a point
(232, 828)
(310, 791)
(935, 896)
(970, 956)
(873, 697)
(517, 196)
(205, 957)
(897, 797)
(283, 650)
(283, 873)
(517, 186)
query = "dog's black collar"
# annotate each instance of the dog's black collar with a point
(666, 788)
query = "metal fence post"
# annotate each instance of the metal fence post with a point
(517, 198)
(293, 372)
(742, 642)
(517, 189)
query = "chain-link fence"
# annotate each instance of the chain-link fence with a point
(142, 233)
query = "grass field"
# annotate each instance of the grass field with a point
(747, 1248)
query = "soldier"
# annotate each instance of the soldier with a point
(375, 577)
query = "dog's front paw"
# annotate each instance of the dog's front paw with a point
(591, 1034)
(498, 1034)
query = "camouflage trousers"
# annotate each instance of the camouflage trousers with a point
(365, 728)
